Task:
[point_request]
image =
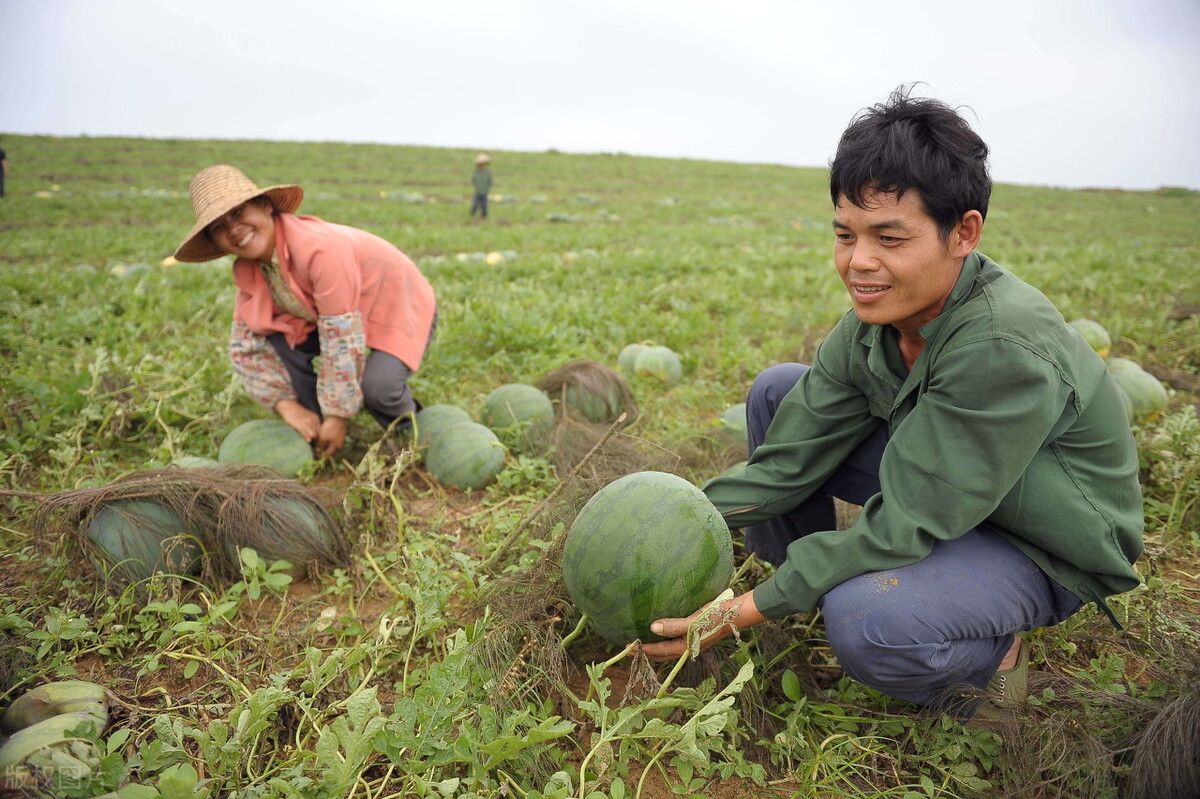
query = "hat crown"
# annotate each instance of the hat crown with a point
(219, 188)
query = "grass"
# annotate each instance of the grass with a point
(365, 681)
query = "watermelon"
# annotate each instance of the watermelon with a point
(628, 357)
(433, 420)
(1116, 365)
(659, 362)
(312, 539)
(1095, 335)
(647, 546)
(598, 405)
(269, 442)
(194, 462)
(733, 422)
(524, 409)
(142, 537)
(1146, 394)
(467, 455)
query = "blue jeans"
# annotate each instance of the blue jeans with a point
(923, 630)
(479, 203)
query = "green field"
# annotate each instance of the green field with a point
(369, 681)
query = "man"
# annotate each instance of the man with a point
(984, 439)
(482, 183)
(3, 169)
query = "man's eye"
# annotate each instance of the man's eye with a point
(889, 239)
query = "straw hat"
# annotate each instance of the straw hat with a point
(482, 158)
(216, 191)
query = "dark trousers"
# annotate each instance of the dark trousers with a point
(384, 380)
(479, 204)
(920, 631)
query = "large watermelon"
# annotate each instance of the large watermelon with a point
(733, 422)
(1147, 395)
(646, 546)
(598, 405)
(311, 531)
(433, 420)
(142, 537)
(1095, 335)
(1122, 364)
(467, 455)
(659, 362)
(628, 357)
(591, 391)
(269, 442)
(525, 409)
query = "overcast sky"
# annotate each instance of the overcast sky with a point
(1071, 93)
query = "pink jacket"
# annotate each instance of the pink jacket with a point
(334, 270)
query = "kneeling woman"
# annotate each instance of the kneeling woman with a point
(307, 287)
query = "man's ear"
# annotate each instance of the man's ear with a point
(968, 232)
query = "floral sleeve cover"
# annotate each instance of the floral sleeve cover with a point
(262, 372)
(343, 353)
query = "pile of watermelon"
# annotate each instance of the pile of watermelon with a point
(1144, 396)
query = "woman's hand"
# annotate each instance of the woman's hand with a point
(331, 436)
(301, 419)
(745, 614)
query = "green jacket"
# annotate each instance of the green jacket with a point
(1007, 416)
(482, 180)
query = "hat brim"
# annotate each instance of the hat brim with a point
(197, 247)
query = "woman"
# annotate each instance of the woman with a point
(306, 287)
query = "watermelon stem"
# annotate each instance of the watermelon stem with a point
(750, 559)
(617, 658)
(575, 633)
(683, 657)
(699, 631)
(507, 543)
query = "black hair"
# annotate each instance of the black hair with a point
(913, 144)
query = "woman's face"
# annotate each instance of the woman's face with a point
(247, 231)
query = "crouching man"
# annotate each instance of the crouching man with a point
(984, 439)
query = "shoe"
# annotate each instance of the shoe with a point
(1007, 691)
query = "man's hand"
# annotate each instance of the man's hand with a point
(331, 436)
(299, 418)
(745, 614)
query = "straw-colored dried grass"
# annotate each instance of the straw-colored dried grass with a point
(224, 508)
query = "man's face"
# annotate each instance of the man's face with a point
(896, 267)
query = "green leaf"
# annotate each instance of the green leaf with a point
(135, 791)
(178, 782)
(448, 787)
(791, 686)
(116, 741)
(684, 768)
(189, 671)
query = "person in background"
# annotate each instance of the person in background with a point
(482, 182)
(983, 437)
(308, 288)
(3, 169)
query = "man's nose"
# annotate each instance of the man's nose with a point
(862, 258)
